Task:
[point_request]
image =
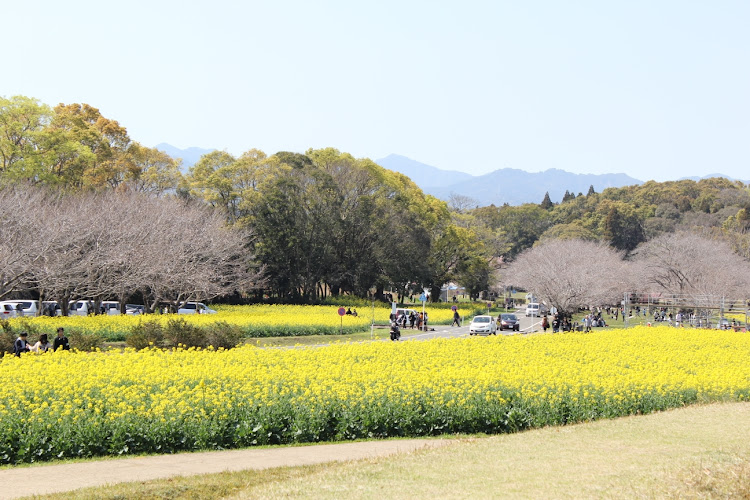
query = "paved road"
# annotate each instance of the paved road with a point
(528, 325)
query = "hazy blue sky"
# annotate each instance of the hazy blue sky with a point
(655, 89)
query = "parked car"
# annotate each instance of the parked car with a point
(7, 311)
(80, 308)
(533, 309)
(135, 309)
(110, 307)
(508, 321)
(27, 307)
(483, 324)
(51, 308)
(400, 311)
(195, 308)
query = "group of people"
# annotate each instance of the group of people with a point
(565, 323)
(22, 345)
(412, 319)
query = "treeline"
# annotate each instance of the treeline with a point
(622, 217)
(324, 222)
(313, 224)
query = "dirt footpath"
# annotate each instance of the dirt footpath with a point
(43, 479)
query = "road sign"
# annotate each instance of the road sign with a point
(454, 308)
(423, 298)
(342, 311)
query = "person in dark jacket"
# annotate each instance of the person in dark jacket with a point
(61, 340)
(20, 345)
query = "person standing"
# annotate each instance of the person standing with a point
(545, 323)
(20, 345)
(61, 340)
(456, 318)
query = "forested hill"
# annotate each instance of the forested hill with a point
(623, 217)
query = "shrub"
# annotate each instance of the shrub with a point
(85, 341)
(222, 334)
(144, 334)
(179, 331)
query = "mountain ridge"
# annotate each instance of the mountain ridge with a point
(506, 185)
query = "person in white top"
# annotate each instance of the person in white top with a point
(42, 345)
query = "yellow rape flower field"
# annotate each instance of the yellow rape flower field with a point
(72, 404)
(254, 320)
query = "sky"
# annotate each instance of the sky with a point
(656, 89)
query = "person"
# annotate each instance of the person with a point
(20, 345)
(412, 319)
(19, 310)
(456, 318)
(42, 345)
(349, 311)
(354, 313)
(425, 320)
(545, 323)
(61, 340)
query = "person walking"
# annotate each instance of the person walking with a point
(456, 318)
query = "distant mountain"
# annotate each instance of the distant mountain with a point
(421, 174)
(189, 156)
(507, 185)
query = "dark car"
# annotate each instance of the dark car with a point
(509, 322)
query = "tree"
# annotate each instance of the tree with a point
(547, 202)
(568, 196)
(88, 149)
(623, 228)
(152, 171)
(591, 190)
(569, 274)
(22, 124)
(460, 203)
(689, 264)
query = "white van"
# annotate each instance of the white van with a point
(195, 308)
(110, 307)
(27, 308)
(532, 309)
(80, 308)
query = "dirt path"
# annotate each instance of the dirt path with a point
(27, 481)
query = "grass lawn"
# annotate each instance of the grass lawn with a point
(694, 452)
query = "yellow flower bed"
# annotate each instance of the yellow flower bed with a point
(255, 320)
(68, 404)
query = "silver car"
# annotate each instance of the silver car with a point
(483, 324)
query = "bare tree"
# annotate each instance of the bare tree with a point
(22, 244)
(100, 246)
(569, 274)
(461, 203)
(688, 264)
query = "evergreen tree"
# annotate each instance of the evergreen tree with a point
(547, 202)
(568, 196)
(591, 190)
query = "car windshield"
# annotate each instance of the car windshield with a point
(482, 319)
(509, 316)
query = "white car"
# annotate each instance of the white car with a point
(110, 307)
(80, 307)
(483, 324)
(195, 307)
(27, 308)
(532, 309)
